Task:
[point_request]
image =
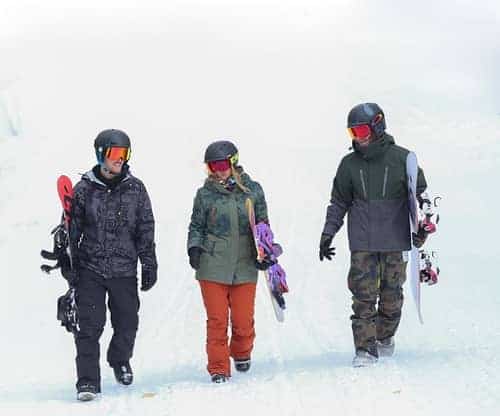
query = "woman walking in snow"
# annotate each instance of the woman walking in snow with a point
(222, 251)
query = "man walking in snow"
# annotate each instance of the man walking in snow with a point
(111, 228)
(371, 186)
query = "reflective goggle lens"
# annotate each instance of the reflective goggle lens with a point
(219, 165)
(117, 153)
(360, 132)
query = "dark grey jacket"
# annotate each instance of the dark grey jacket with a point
(371, 186)
(111, 227)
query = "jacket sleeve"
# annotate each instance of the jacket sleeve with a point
(421, 182)
(145, 232)
(260, 205)
(340, 201)
(77, 220)
(198, 224)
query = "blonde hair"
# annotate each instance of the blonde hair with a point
(237, 178)
(235, 172)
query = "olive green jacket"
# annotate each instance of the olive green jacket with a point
(371, 187)
(220, 227)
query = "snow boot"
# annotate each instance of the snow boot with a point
(86, 392)
(385, 347)
(123, 373)
(219, 378)
(363, 359)
(242, 365)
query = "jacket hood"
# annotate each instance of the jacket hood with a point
(92, 177)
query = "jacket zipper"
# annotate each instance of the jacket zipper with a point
(386, 174)
(363, 183)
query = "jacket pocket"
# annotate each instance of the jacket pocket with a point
(208, 246)
(384, 186)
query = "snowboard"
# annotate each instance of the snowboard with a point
(67, 312)
(413, 254)
(65, 192)
(277, 308)
(61, 231)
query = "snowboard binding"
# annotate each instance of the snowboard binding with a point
(67, 311)
(270, 250)
(429, 272)
(428, 208)
(61, 242)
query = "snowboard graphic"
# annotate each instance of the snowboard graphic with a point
(277, 286)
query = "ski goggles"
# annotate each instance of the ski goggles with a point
(117, 153)
(219, 165)
(359, 132)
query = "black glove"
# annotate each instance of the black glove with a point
(194, 254)
(264, 264)
(68, 272)
(148, 278)
(419, 237)
(325, 251)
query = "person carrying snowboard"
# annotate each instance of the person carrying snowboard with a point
(371, 187)
(222, 251)
(111, 227)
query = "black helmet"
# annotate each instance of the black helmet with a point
(368, 113)
(221, 150)
(110, 138)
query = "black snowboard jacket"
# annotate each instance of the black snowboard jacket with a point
(112, 226)
(371, 187)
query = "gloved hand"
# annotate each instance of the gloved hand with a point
(325, 251)
(420, 236)
(148, 278)
(194, 254)
(68, 273)
(264, 264)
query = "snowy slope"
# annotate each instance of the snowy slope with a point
(279, 78)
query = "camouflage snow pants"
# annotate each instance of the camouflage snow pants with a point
(376, 276)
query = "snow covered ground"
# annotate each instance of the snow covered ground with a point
(278, 77)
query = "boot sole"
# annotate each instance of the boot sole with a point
(86, 396)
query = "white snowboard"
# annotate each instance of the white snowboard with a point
(414, 263)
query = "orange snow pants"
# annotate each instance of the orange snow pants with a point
(219, 299)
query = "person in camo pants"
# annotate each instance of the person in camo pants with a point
(371, 187)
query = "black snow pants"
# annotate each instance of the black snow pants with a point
(123, 303)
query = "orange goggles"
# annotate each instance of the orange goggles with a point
(117, 153)
(360, 132)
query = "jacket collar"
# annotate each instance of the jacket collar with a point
(374, 149)
(212, 183)
(92, 177)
